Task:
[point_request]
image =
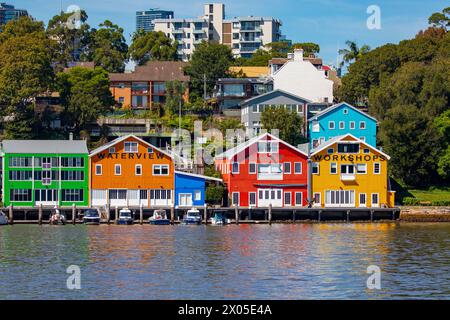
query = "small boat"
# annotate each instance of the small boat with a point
(219, 218)
(3, 219)
(192, 217)
(91, 217)
(58, 218)
(125, 217)
(159, 218)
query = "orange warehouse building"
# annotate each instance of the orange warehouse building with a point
(129, 172)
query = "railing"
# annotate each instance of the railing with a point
(348, 177)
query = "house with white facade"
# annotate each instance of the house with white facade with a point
(301, 78)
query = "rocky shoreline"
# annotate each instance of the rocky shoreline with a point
(425, 214)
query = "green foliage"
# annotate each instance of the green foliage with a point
(175, 91)
(108, 48)
(152, 46)
(289, 124)
(214, 194)
(72, 43)
(85, 95)
(440, 19)
(25, 72)
(228, 124)
(210, 61)
(308, 47)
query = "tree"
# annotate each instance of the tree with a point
(25, 72)
(353, 52)
(85, 95)
(440, 19)
(289, 124)
(210, 61)
(108, 48)
(175, 91)
(308, 48)
(72, 38)
(152, 45)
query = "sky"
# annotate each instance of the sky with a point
(328, 23)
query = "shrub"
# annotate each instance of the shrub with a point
(408, 201)
(214, 194)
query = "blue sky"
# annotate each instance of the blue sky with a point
(326, 22)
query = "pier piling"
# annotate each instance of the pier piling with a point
(206, 214)
(371, 215)
(270, 214)
(141, 214)
(116, 220)
(172, 215)
(293, 216)
(348, 215)
(11, 214)
(108, 213)
(40, 214)
(319, 216)
(74, 213)
(236, 213)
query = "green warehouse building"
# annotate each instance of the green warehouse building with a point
(45, 172)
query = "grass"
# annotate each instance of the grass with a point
(433, 194)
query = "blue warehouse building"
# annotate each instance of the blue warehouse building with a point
(190, 189)
(339, 120)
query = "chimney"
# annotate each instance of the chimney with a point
(71, 136)
(298, 55)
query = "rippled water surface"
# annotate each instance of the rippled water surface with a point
(305, 261)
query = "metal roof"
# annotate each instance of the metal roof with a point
(317, 116)
(45, 146)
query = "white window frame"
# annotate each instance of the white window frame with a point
(315, 126)
(295, 167)
(197, 195)
(352, 125)
(98, 166)
(363, 205)
(331, 167)
(129, 144)
(115, 169)
(341, 125)
(136, 169)
(290, 198)
(331, 127)
(377, 204)
(161, 168)
(249, 168)
(295, 199)
(232, 168)
(290, 168)
(365, 168)
(317, 204)
(238, 197)
(379, 168)
(313, 164)
(249, 197)
(362, 125)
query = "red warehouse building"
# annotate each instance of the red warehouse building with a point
(265, 170)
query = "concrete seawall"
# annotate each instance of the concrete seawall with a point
(425, 214)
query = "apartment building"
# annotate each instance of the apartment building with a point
(244, 35)
(144, 19)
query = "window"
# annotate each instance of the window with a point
(270, 171)
(117, 194)
(20, 175)
(131, 147)
(345, 111)
(347, 169)
(46, 177)
(138, 170)
(315, 168)
(112, 150)
(197, 195)
(376, 168)
(72, 176)
(339, 198)
(298, 168)
(121, 100)
(298, 199)
(72, 162)
(20, 162)
(252, 198)
(315, 126)
(268, 147)
(118, 170)
(330, 151)
(315, 143)
(362, 125)
(316, 198)
(362, 199)
(235, 198)
(160, 170)
(352, 125)
(288, 199)
(75, 195)
(333, 168)
(287, 168)
(348, 148)
(252, 168)
(331, 125)
(362, 138)
(45, 195)
(143, 194)
(150, 150)
(98, 169)
(23, 195)
(235, 167)
(366, 151)
(341, 125)
(361, 168)
(375, 199)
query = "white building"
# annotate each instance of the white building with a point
(244, 35)
(301, 78)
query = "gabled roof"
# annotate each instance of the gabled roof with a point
(198, 176)
(233, 151)
(336, 106)
(45, 146)
(282, 92)
(118, 140)
(334, 140)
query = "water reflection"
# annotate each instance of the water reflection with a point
(305, 261)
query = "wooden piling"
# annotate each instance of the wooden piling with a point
(250, 213)
(11, 214)
(172, 215)
(206, 214)
(108, 214)
(141, 214)
(371, 215)
(40, 214)
(320, 214)
(236, 213)
(293, 216)
(348, 215)
(270, 214)
(74, 214)
(116, 220)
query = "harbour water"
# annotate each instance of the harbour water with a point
(302, 261)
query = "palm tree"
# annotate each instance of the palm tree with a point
(352, 53)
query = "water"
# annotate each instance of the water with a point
(306, 261)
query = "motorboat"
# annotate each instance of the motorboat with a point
(91, 217)
(192, 217)
(219, 218)
(159, 218)
(57, 218)
(3, 219)
(125, 217)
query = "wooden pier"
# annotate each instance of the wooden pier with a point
(237, 215)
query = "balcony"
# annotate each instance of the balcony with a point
(348, 177)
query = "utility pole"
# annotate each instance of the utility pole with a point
(204, 86)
